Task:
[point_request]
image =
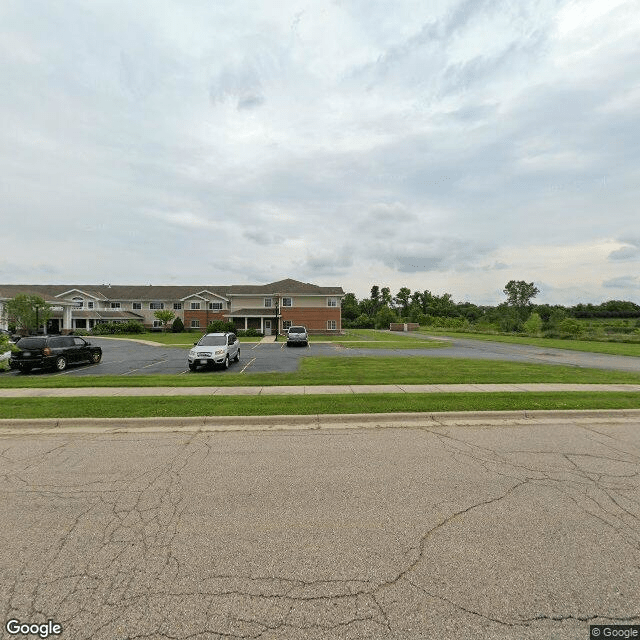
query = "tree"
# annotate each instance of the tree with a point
(350, 310)
(28, 312)
(533, 324)
(402, 300)
(165, 316)
(385, 317)
(519, 294)
(178, 325)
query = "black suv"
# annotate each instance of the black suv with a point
(53, 352)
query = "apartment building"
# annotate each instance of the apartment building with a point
(267, 308)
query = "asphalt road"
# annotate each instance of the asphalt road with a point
(124, 357)
(429, 531)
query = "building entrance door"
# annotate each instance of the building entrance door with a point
(267, 327)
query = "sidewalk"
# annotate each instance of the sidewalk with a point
(308, 390)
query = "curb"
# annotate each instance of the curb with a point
(314, 421)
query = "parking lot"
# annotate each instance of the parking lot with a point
(128, 357)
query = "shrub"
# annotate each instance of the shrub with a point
(177, 326)
(220, 326)
(570, 326)
(533, 325)
(363, 322)
(110, 328)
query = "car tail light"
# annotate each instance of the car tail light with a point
(46, 351)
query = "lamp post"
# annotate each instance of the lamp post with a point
(277, 315)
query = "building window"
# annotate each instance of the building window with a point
(156, 305)
(195, 323)
(215, 306)
(286, 324)
(332, 302)
(287, 302)
(268, 302)
(331, 325)
(177, 306)
(137, 305)
(157, 323)
(78, 303)
(115, 305)
(89, 305)
(195, 306)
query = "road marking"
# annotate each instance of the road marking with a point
(246, 365)
(259, 343)
(153, 364)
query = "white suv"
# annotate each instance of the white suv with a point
(297, 335)
(214, 349)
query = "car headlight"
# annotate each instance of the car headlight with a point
(219, 352)
(192, 353)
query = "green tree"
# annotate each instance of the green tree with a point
(533, 324)
(27, 312)
(519, 295)
(165, 316)
(384, 317)
(177, 326)
(350, 309)
(402, 300)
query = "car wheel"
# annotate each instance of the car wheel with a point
(226, 362)
(192, 366)
(25, 368)
(237, 358)
(61, 363)
(96, 357)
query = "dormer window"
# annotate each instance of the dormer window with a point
(78, 302)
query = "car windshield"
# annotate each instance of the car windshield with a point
(297, 330)
(212, 341)
(31, 343)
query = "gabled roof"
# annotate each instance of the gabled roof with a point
(201, 295)
(283, 287)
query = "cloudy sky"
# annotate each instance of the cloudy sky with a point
(450, 145)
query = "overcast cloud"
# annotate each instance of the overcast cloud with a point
(449, 145)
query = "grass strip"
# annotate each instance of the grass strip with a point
(610, 348)
(121, 407)
(320, 370)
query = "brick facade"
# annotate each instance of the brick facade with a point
(313, 318)
(204, 316)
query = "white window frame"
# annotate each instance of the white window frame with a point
(194, 306)
(290, 299)
(330, 327)
(115, 305)
(195, 323)
(156, 305)
(268, 303)
(90, 304)
(137, 306)
(78, 303)
(215, 306)
(157, 324)
(332, 302)
(286, 324)
(177, 306)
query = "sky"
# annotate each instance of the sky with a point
(449, 145)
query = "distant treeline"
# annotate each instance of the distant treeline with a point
(426, 308)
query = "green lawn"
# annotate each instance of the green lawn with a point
(612, 348)
(321, 370)
(303, 405)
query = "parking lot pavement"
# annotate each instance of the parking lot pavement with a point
(436, 530)
(126, 357)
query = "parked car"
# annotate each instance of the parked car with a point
(297, 335)
(214, 349)
(53, 352)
